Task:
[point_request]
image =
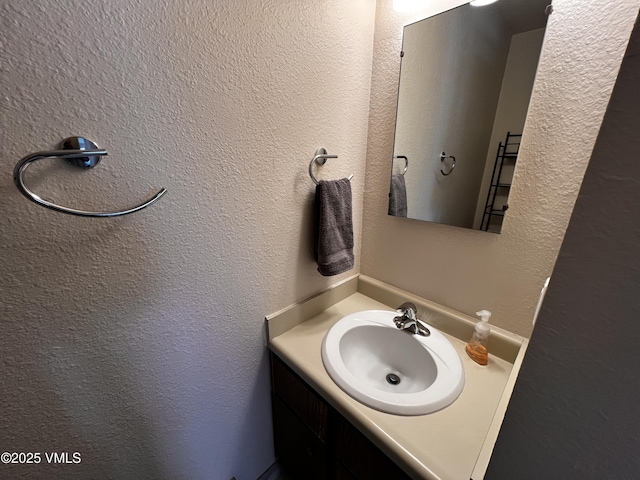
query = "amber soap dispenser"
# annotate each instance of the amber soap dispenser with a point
(477, 346)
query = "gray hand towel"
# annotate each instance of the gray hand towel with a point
(334, 227)
(398, 196)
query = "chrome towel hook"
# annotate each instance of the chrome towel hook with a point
(321, 158)
(443, 157)
(80, 152)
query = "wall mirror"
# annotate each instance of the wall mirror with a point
(466, 77)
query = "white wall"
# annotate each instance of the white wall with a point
(517, 84)
(138, 341)
(467, 269)
(449, 106)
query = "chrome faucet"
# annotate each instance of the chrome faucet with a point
(409, 322)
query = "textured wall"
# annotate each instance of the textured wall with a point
(465, 269)
(574, 411)
(138, 341)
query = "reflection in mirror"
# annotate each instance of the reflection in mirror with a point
(465, 81)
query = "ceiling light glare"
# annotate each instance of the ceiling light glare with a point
(481, 3)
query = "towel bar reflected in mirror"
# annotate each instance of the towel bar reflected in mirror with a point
(443, 157)
(406, 162)
(80, 152)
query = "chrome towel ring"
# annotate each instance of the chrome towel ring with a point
(80, 152)
(443, 157)
(406, 163)
(321, 158)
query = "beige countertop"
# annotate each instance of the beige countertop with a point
(454, 443)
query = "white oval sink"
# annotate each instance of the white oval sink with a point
(389, 369)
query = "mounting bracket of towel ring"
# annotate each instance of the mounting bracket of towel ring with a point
(321, 158)
(406, 163)
(80, 152)
(443, 157)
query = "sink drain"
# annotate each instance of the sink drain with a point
(393, 379)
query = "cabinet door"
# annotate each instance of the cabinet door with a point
(342, 473)
(314, 442)
(361, 458)
(300, 398)
(301, 454)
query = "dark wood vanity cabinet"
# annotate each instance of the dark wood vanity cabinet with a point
(314, 441)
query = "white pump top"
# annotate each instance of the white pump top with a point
(482, 327)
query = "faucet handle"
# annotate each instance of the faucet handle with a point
(409, 309)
